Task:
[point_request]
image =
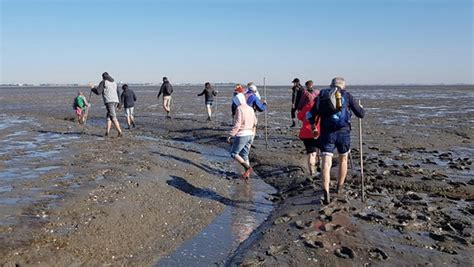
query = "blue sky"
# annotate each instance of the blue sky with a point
(365, 41)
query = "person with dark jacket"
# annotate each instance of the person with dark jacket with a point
(108, 89)
(166, 89)
(127, 99)
(335, 123)
(297, 91)
(209, 94)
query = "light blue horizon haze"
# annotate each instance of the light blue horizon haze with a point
(366, 41)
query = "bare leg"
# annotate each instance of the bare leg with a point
(241, 161)
(128, 121)
(209, 111)
(312, 163)
(132, 120)
(109, 125)
(342, 170)
(117, 126)
(326, 172)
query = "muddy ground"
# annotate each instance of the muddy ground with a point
(86, 199)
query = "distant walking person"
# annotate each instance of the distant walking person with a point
(209, 94)
(238, 89)
(166, 89)
(295, 98)
(108, 89)
(253, 99)
(309, 135)
(80, 105)
(243, 131)
(335, 106)
(127, 99)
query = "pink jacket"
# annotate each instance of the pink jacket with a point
(245, 121)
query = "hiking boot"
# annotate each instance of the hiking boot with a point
(209, 119)
(326, 199)
(119, 134)
(133, 124)
(293, 124)
(106, 134)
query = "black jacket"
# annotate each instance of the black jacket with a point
(209, 94)
(166, 89)
(296, 95)
(128, 98)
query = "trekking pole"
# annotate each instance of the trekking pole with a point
(215, 115)
(361, 160)
(265, 96)
(87, 114)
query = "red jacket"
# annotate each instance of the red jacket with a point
(306, 131)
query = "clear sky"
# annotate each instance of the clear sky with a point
(365, 41)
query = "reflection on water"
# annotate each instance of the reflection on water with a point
(246, 209)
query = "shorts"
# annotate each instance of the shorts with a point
(129, 111)
(311, 145)
(331, 140)
(79, 111)
(241, 146)
(111, 114)
(209, 103)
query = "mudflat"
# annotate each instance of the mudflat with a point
(68, 198)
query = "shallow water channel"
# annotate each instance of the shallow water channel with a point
(246, 209)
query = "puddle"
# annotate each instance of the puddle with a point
(246, 210)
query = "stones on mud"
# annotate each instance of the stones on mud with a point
(310, 235)
(405, 215)
(345, 253)
(328, 211)
(447, 250)
(377, 253)
(274, 250)
(256, 262)
(291, 214)
(299, 224)
(371, 217)
(281, 220)
(313, 243)
(437, 237)
(329, 227)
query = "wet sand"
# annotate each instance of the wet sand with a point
(71, 199)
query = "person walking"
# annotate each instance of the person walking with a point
(108, 89)
(167, 90)
(242, 132)
(209, 94)
(80, 105)
(307, 134)
(334, 106)
(127, 99)
(297, 89)
(253, 99)
(238, 89)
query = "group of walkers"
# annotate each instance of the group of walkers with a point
(326, 125)
(325, 115)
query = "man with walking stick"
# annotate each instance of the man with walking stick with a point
(335, 106)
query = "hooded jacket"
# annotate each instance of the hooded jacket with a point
(208, 93)
(108, 89)
(166, 89)
(128, 98)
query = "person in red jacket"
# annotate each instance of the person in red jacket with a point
(307, 134)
